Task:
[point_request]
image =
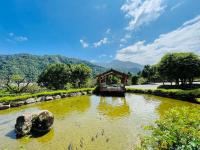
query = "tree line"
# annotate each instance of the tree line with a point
(181, 68)
(57, 76)
(54, 77)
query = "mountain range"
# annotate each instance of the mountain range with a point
(32, 65)
(124, 66)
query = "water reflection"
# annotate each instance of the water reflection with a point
(113, 107)
(61, 108)
(167, 103)
(78, 120)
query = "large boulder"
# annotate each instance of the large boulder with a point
(40, 122)
(23, 124)
(43, 122)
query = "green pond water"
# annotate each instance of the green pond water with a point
(89, 122)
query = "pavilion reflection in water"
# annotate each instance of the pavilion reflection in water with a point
(114, 107)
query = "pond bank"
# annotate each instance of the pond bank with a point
(185, 95)
(89, 122)
(16, 101)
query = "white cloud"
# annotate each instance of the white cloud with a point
(176, 6)
(142, 12)
(21, 38)
(127, 36)
(16, 38)
(101, 6)
(103, 55)
(11, 34)
(101, 42)
(108, 31)
(93, 61)
(185, 38)
(84, 43)
(123, 40)
(121, 45)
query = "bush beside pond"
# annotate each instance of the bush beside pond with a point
(186, 95)
(45, 93)
(178, 129)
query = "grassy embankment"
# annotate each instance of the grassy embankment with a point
(45, 93)
(185, 95)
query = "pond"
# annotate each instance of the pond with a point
(89, 122)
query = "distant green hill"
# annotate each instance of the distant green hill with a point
(124, 66)
(32, 65)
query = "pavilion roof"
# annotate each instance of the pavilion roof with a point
(112, 71)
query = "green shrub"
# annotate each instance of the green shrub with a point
(186, 95)
(183, 87)
(178, 129)
(45, 93)
(142, 81)
(34, 88)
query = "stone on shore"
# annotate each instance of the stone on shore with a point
(3, 106)
(57, 97)
(49, 98)
(30, 100)
(17, 104)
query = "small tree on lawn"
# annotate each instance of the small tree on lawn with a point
(16, 83)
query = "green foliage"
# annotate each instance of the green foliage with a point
(80, 75)
(185, 95)
(111, 79)
(16, 83)
(134, 80)
(34, 88)
(44, 93)
(142, 80)
(150, 73)
(183, 87)
(55, 76)
(179, 66)
(178, 129)
(59, 76)
(31, 66)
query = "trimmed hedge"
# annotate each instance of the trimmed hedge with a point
(183, 87)
(46, 93)
(185, 95)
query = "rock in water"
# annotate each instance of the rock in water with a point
(23, 124)
(43, 121)
(34, 122)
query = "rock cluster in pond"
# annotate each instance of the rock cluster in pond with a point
(37, 123)
(6, 105)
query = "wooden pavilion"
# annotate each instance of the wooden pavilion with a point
(115, 89)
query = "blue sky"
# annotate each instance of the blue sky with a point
(140, 31)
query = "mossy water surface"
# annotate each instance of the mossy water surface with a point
(89, 122)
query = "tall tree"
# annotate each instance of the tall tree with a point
(177, 67)
(55, 76)
(147, 72)
(80, 74)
